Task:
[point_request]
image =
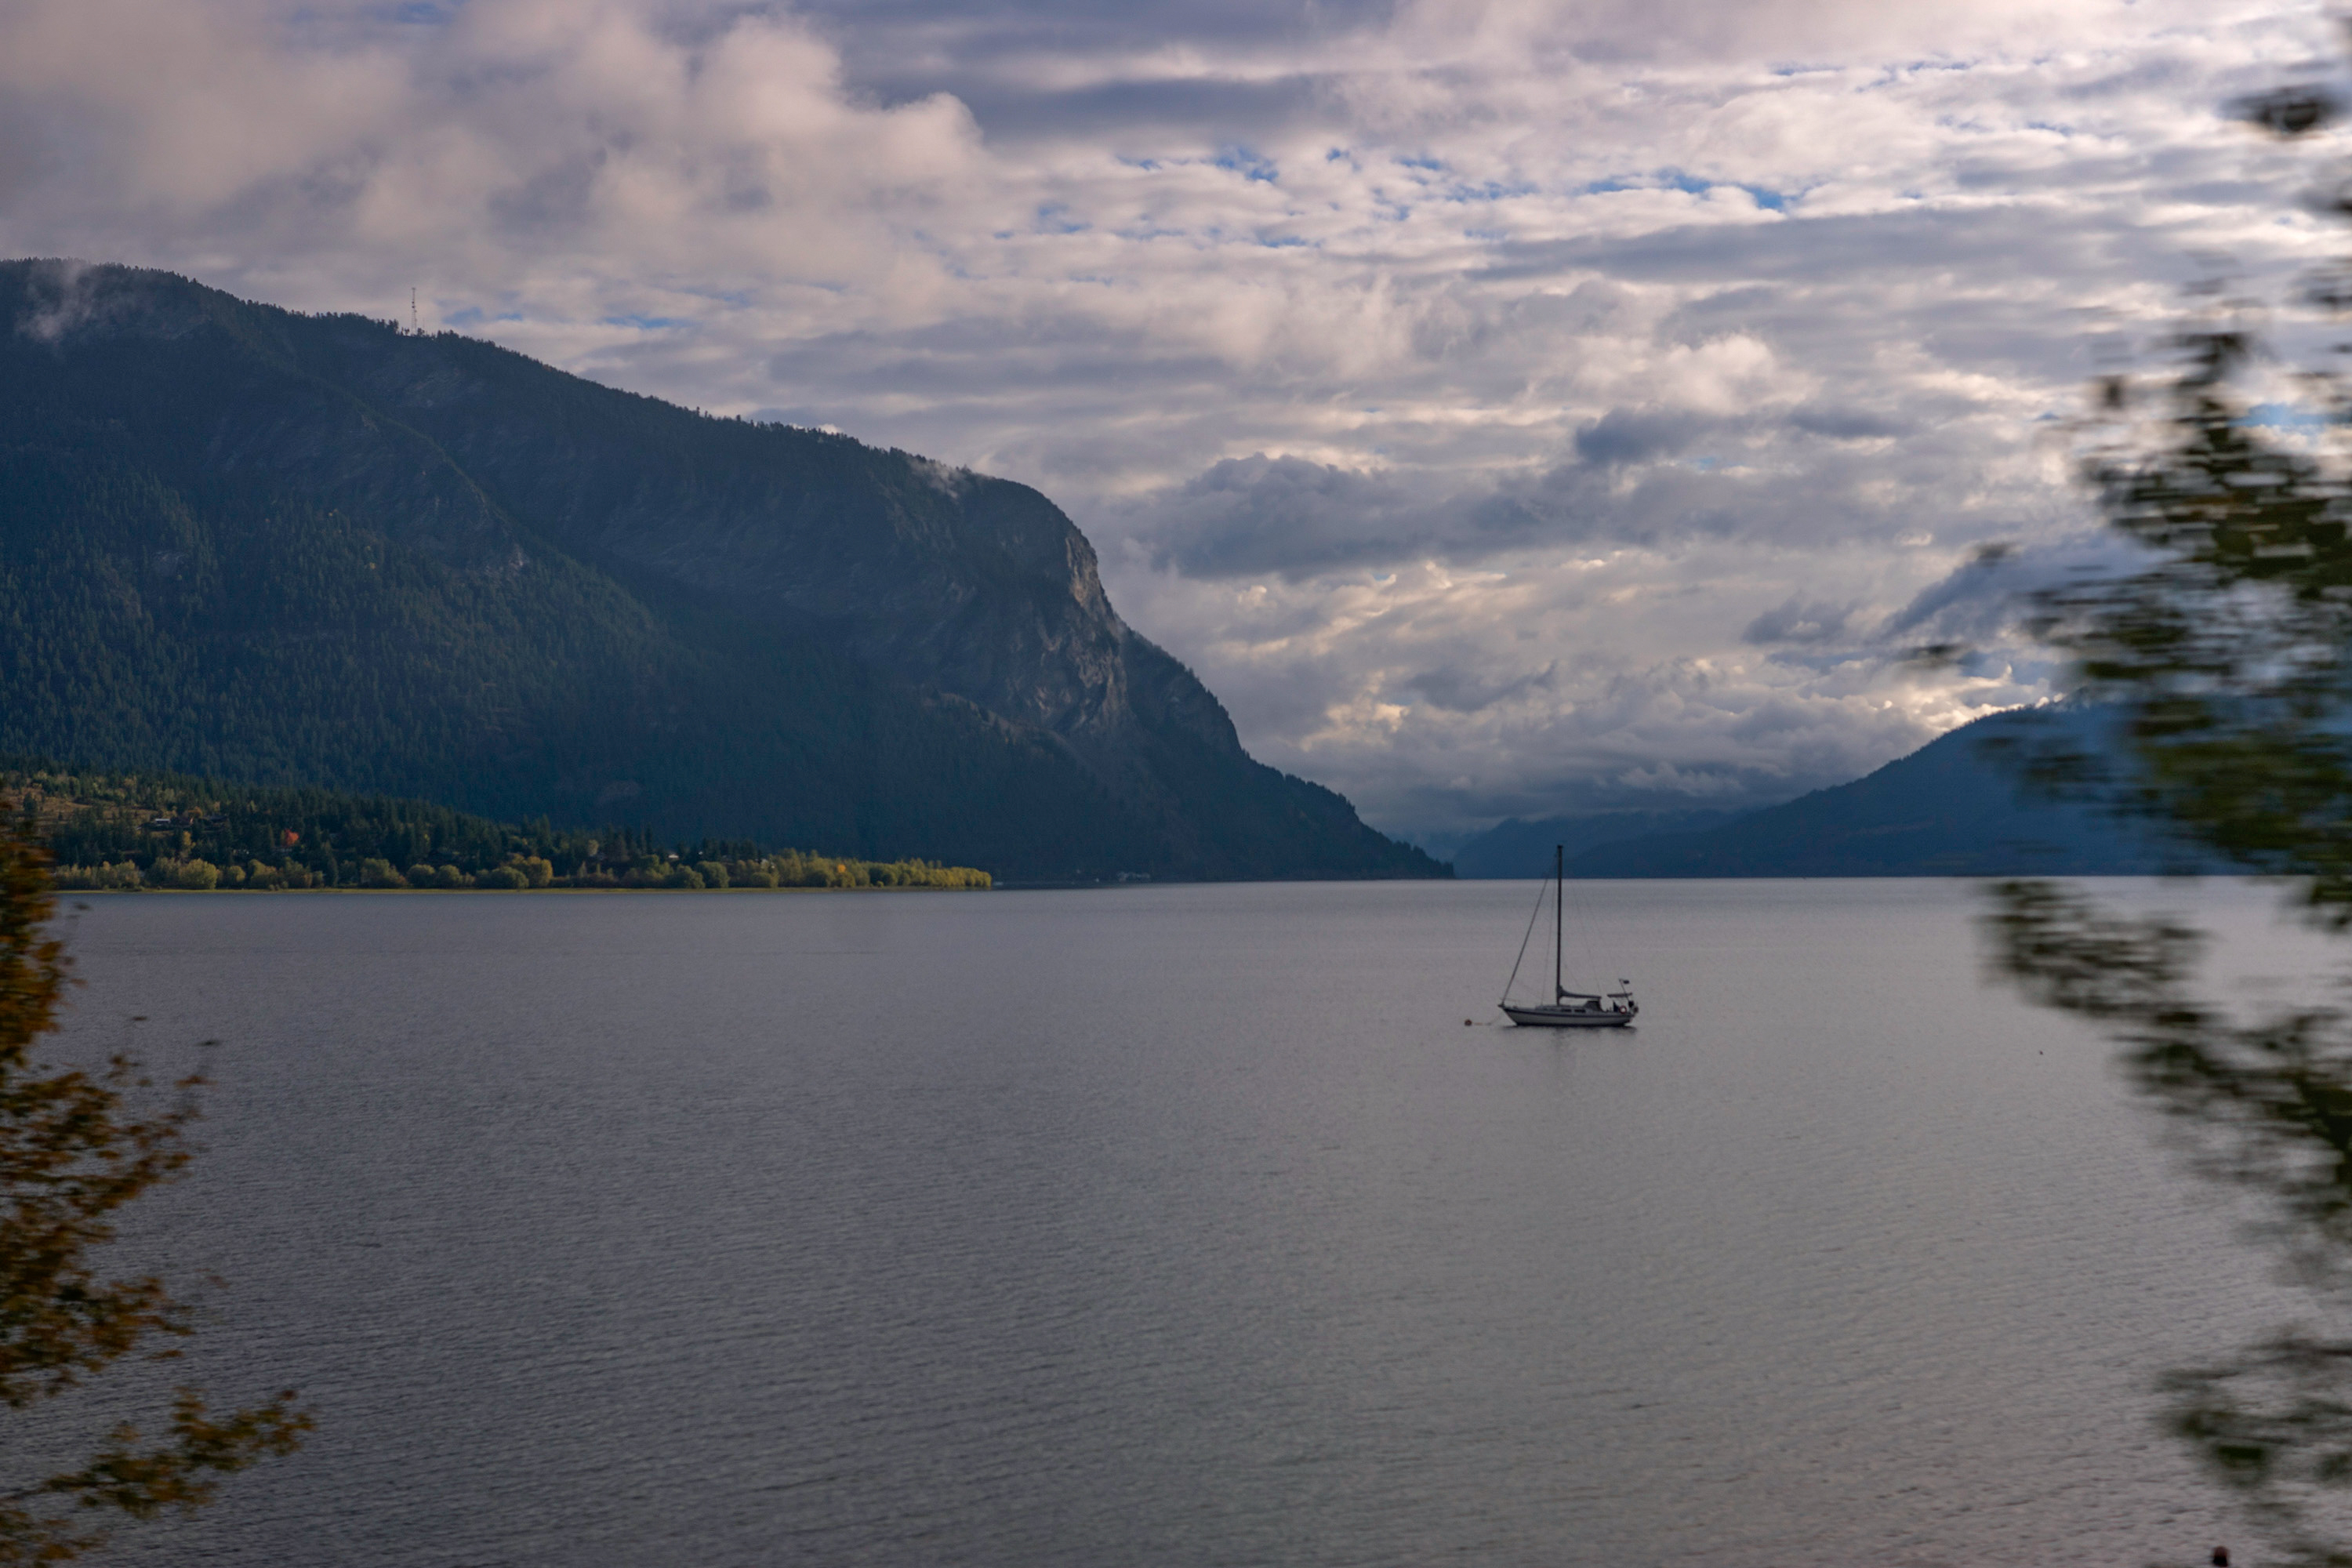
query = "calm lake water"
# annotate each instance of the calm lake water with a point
(1165, 1225)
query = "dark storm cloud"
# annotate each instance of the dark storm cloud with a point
(1295, 519)
(1471, 690)
(1643, 477)
(910, 48)
(1637, 436)
(1086, 26)
(1881, 246)
(1135, 112)
(1798, 620)
(1986, 596)
(1292, 517)
(1847, 423)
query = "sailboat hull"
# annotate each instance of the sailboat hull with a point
(1565, 1017)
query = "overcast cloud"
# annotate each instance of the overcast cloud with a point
(1506, 407)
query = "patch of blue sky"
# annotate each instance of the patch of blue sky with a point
(1765, 196)
(472, 316)
(1249, 164)
(2296, 417)
(1149, 165)
(647, 323)
(1423, 160)
(1899, 75)
(1051, 218)
(1492, 191)
(399, 13)
(1290, 242)
(1487, 235)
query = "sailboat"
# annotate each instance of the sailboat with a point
(1566, 1009)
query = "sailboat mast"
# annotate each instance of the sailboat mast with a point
(1558, 880)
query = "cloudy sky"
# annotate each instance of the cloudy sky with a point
(1506, 407)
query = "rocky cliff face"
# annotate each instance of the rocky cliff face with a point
(502, 470)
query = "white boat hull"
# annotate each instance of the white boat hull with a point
(1566, 1017)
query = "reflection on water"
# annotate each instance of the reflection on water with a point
(1169, 1226)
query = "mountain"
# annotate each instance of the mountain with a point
(1514, 847)
(250, 545)
(1952, 808)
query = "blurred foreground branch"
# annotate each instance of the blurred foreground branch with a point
(71, 1155)
(2224, 669)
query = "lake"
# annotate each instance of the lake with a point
(1165, 1225)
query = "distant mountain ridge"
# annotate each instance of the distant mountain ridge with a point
(1515, 847)
(1956, 807)
(247, 544)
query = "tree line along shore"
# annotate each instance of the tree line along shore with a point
(140, 832)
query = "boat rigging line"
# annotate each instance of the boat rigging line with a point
(1533, 915)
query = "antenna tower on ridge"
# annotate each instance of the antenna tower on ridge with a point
(413, 325)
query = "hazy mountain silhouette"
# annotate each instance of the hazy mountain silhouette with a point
(1515, 847)
(1956, 807)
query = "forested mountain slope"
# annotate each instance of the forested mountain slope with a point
(247, 543)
